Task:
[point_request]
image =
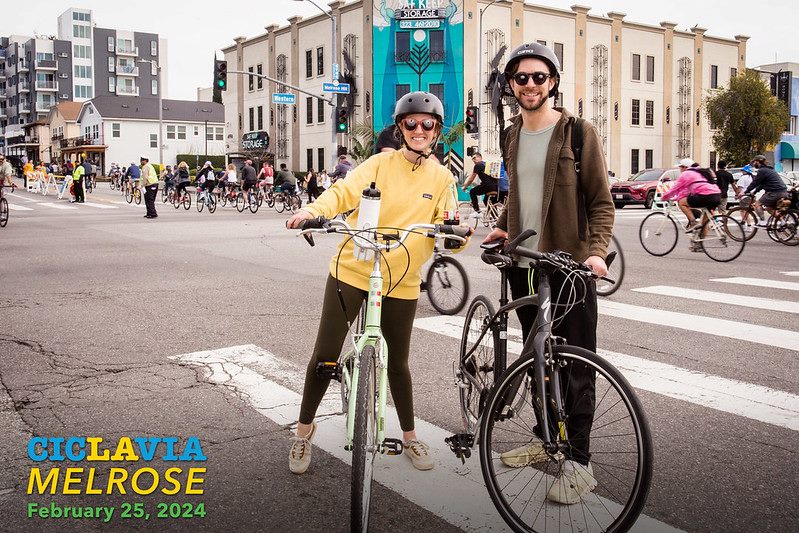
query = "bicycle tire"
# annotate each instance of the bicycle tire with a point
(186, 201)
(476, 366)
(295, 203)
(200, 202)
(253, 201)
(785, 227)
(363, 438)
(443, 275)
(270, 199)
(128, 196)
(240, 205)
(620, 439)
(137, 196)
(212, 203)
(727, 246)
(658, 236)
(4, 212)
(747, 218)
(279, 204)
(615, 270)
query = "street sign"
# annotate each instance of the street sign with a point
(284, 98)
(335, 71)
(343, 88)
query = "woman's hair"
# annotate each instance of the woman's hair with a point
(231, 166)
(183, 164)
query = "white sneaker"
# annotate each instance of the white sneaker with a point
(419, 454)
(300, 453)
(573, 482)
(476, 215)
(524, 455)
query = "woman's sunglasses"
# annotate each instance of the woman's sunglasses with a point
(427, 124)
(539, 78)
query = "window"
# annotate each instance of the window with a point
(154, 87)
(308, 63)
(153, 140)
(182, 133)
(220, 133)
(111, 66)
(83, 17)
(153, 68)
(112, 83)
(635, 116)
(437, 51)
(437, 89)
(153, 48)
(81, 52)
(320, 111)
(170, 131)
(320, 153)
(83, 71)
(260, 81)
(260, 117)
(252, 119)
(83, 91)
(309, 110)
(650, 113)
(634, 161)
(542, 42)
(309, 158)
(320, 61)
(714, 76)
(712, 159)
(84, 32)
(402, 44)
(636, 72)
(401, 90)
(733, 72)
(111, 43)
(196, 131)
(650, 68)
(250, 79)
(649, 158)
(559, 54)
(559, 99)
(209, 132)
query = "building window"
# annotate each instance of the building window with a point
(634, 161)
(308, 63)
(714, 76)
(181, 133)
(541, 42)
(84, 17)
(83, 32)
(559, 99)
(260, 81)
(154, 87)
(320, 61)
(112, 82)
(650, 68)
(153, 48)
(649, 158)
(153, 68)
(116, 131)
(83, 71)
(309, 158)
(196, 131)
(650, 113)
(83, 91)
(733, 72)
(437, 89)
(170, 131)
(401, 90)
(309, 110)
(320, 111)
(110, 43)
(220, 133)
(260, 117)
(437, 52)
(320, 157)
(111, 66)
(81, 52)
(636, 66)
(402, 46)
(559, 54)
(252, 119)
(712, 159)
(153, 140)
(250, 79)
(635, 116)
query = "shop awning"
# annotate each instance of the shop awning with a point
(789, 150)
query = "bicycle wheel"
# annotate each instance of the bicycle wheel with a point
(240, 204)
(3, 212)
(137, 196)
(746, 217)
(128, 196)
(186, 200)
(200, 202)
(447, 285)
(211, 203)
(476, 361)
(621, 456)
(615, 270)
(658, 234)
(722, 239)
(364, 447)
(295, 203)
(785, 227)
(280, 204)
(270, 199)
(253, 204)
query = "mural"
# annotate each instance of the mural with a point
(418, 46)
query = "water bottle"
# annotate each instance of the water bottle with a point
(368, 215)
(452, 218)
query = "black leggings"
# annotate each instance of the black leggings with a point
(397, 323)
(181, 187)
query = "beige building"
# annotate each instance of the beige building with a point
(63, 124)
(641, 85)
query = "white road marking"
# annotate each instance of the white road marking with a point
(58, 206)
(782, 306)
(14, 207)
(453, 491)
(22, 197)
(100, 206)
(790, 273)
(744, 331)
(757, 282)
(764, 404)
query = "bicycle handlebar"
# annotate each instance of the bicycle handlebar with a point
(322, 225)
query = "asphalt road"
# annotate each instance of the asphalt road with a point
(98, 304)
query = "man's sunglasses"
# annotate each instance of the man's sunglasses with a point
(539, 78)
(427, 124)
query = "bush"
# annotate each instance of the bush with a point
(218, 161)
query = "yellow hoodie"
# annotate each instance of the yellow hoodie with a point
(407, 197)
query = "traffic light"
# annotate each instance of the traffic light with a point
(342, 119)
(472, 119)
(220, 75)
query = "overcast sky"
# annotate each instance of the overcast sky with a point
(195, 29)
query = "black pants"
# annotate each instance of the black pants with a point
(397, 324)
(578, 327)
(313, 193)
(181, 188)
(78, 186)
(150, 193)
(476, 192)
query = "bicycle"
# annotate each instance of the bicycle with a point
(784, 224)
(204, 197)
(133, 194)
(750, 218)
(183, 199)
(530, 403)
(446, 284)
(247, 199)
(4, 209)
(285, 200)
(363, 370)
(720, 237)
(615, 264)
(166, 192)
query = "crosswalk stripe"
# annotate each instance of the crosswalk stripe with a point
(781, 306)
(57, 206)
(455, 492)
(100, 206)
(757, 282)
(764, 404)
(790, 273)
(778, 338)
(22, 197)
(14, 207)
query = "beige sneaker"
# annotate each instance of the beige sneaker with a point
(419, 454)
(300, 453)
(574, 482)
(525, 455)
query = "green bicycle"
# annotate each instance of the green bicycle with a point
(363, 370)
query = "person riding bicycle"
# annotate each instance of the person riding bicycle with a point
(133, 177)
(768, 181)
(285, 179)
(693, 189)
(183, 178)
(206, 178)
(570, 212)
(248, 179)
(488, 183)
(169, 178)
(414, 190)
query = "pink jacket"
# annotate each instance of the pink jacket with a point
(690, 182)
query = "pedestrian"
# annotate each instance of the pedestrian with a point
(149, 181)
(312, 185)
(570, 212)
(341, 170)
(6, 172)
(77, 182)
(324, 180)
(724, 180)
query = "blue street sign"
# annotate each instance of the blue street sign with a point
(343, 88)
(283, 98)
(335, 71)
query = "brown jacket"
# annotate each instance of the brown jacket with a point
(574, 221)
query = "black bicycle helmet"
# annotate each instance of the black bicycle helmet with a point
(538, 51)
(418, 102)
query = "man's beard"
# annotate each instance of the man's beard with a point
(530, 107)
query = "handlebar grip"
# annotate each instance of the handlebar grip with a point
(319, 222)
(458, 231)
(526, 234)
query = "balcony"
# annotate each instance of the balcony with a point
(127, 91)
(44, 106)
(85, 140)
(24, 108)
(46, 64)
(127, 70)
(23, 66)
(128, 51)
(3, 115)
(47, 85)
(23, 86)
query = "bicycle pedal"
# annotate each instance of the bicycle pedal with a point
(461, 445)
(329, 370)
(392, 446)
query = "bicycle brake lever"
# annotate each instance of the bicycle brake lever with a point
(309, 239)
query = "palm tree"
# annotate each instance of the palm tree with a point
(450, 136)
(363, 141)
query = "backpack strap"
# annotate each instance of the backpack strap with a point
(577, 145)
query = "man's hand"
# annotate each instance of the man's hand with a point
(496, 235)
(597, 264)
(295, 221)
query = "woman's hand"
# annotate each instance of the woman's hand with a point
(300, 216)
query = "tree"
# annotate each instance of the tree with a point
(747, 118)
(363, 141)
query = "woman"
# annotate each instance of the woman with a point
(312, 186)
(414, 190)
(324, 180)
(695, 188)
(183, 178)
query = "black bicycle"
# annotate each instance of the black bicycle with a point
(446, 284)
(554, 455)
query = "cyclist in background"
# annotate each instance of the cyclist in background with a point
(169, 179)
(414, 190)
(693, 189)
(132, 176)
(183, 178)
(768, 181)
(488, 183)
(229, 179)
(285, 179)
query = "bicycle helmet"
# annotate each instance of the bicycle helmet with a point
(419, 102)
(538, 51)
(747, 169)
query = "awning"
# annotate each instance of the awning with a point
(789, 150)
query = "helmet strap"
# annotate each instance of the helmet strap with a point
(422, 154)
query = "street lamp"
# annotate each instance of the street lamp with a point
(480, 66)
(160, 111)
(334, 151)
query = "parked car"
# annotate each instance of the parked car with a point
(640, 188)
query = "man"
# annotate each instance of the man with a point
(6, 172)
(388, 139)
(769, 181)
(249, 178)
(285, 179)
(149, 180)
(724, 180)
(488, 183)
(132, 177)
(341, 169)
(88, 170)
(77, 181)
(573, 213)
